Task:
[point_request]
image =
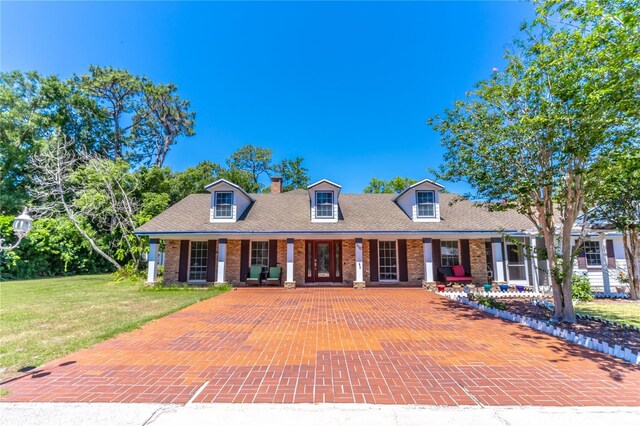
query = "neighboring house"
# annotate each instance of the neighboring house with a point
(321, 236)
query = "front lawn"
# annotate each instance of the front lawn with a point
(41, 320)
(624, 311)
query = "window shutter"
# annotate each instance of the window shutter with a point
(373, 260)
(403, 271)
(211, 261)
(435, 244)
(465, 256)
(611, 255)
(273, 253)
(582, 259)
(244, 260)
(184, 261)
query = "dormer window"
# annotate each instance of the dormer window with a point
(324, 204)
(223, 205)
(426, 203)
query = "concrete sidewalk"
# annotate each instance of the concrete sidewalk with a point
(307, 414)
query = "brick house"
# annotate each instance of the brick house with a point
(321, 236)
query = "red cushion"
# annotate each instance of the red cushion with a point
(457, 279)
(458, 270)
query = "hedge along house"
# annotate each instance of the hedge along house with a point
(320, 236)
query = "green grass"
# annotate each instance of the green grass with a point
(41, 320)
(623, 311)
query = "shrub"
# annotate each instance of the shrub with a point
(581, 288)
(53, 247)
(490, 302)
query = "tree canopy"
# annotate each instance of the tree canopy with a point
(526, 137)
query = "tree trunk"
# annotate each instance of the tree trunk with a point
(632, 255)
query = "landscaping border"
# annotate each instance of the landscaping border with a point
(600, 346)
(548, 305)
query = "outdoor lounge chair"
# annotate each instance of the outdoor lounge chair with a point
(275, 274)
(454, 274)
(255, 275)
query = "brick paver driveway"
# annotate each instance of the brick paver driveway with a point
(405, 346)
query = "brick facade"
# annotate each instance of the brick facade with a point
(478, 256)
(171, 261)
(415, 261)
(232, 262)
(299, 262)
(348, 261)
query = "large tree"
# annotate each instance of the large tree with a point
(254, 160)
(391, 186)
(144, 118)
(294, 175)
(525, 138)
(616, 195)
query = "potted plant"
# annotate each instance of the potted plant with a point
(470, 287)
(520, 288)
(440, 287)
(456, 287)
(487, 287)
(504, 288)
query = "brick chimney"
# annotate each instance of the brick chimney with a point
(276, 185)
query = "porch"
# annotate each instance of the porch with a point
(355, 262)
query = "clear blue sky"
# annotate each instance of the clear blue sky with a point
(347, 86)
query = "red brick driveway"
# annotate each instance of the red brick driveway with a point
(404, 346)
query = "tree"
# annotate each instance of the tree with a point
(32, 107)
(392, 186)
(616, 194)
(294, 175)
(526, 137)
(118, 94)
(253, 160)
(144, 118)
(54, 166)
(164, 118)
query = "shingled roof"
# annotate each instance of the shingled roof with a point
(289, 212)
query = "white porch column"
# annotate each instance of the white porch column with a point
(222, 257)
(498, 260)
(290, 260)
(604, 262)
(359, 267)
(152, 271)
(535, 270)
(428, 259)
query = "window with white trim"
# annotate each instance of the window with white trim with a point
(259, 253)
(324, 204)
(592, 253)
(223, 205)
(449, 253)
(198, 261)
(388, 260)
(426, 202)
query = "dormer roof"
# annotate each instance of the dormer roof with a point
(327, 181)
(423, 181)
(221, 181)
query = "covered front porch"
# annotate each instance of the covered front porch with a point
(370, 260)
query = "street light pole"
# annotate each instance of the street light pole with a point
(21, 227)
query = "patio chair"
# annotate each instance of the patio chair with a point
(275, 275)
(255, 275)
(454, 274)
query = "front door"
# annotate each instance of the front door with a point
(324, 262)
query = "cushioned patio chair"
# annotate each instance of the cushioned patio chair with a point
(255, 275)
(454, 274)
(274, 278)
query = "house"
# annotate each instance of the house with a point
(323, 236)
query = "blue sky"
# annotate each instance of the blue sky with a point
(347, 86)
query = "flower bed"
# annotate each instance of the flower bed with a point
(620, 342)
